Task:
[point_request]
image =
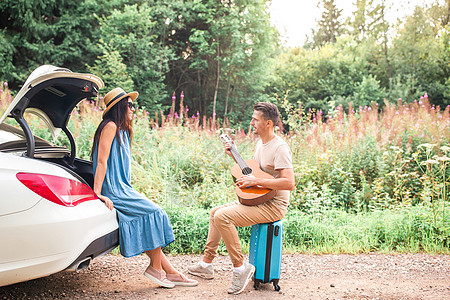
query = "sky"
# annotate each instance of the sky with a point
(294, 19)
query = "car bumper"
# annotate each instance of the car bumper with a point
(97, 248)
(49, 238)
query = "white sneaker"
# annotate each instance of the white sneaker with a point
(198, 270)
(240, 280)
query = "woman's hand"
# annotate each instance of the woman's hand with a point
(107, 201)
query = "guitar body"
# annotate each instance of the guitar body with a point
(252, 195)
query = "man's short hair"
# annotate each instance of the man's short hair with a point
(269, 111)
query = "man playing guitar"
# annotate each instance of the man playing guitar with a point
(274, 157)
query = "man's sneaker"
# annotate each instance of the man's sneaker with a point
(240, 280)
(198, 270)
(181, 280)
(159, 277)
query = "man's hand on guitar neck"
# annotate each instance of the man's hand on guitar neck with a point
(227, 145)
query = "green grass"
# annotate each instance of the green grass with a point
(390, 231)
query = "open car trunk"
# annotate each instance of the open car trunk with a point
(51, 93)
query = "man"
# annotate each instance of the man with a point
(274, 157)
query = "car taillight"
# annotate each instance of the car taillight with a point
(60, 190)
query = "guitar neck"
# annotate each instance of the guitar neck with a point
(240, 161)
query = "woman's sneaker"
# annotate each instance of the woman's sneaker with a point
(198, 270)
(159, 277)
(240, 280)
(181, 280)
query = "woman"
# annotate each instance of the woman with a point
(143, 225)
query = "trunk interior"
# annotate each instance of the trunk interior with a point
(12, 140)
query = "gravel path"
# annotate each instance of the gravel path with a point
(363, 276)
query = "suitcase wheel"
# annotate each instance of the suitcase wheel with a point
(276, 287)
(256, 285)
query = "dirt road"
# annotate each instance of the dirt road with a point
(363, 276)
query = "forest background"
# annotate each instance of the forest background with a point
(365, 106)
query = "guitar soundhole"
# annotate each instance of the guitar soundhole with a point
(247, 171)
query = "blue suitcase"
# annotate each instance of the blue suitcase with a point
(265, 253)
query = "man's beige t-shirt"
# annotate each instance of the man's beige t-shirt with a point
(272, 157)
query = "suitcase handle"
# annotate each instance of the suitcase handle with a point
(277, 231)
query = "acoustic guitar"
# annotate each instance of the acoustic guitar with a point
(253, 195)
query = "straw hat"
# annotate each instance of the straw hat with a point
(115, 96)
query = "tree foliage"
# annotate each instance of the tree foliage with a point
(329, 27)
(224, 54)
(372, 62)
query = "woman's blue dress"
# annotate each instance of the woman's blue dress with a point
(143, 225)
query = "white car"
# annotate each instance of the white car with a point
(50, 218)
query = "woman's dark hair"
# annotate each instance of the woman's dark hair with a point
(269, 111)
(119, 115)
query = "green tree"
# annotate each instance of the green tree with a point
(36, 32)
(329, 27)
(132, 32)
(420, 51)
(7, 68)
(358, 24)
(112, 70)
(222, 50)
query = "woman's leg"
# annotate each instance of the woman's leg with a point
(155, 271)
(173, 275)
(166, 265)
(155, 258)
(159, 261)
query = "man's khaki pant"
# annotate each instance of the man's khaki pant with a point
(224, 219)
